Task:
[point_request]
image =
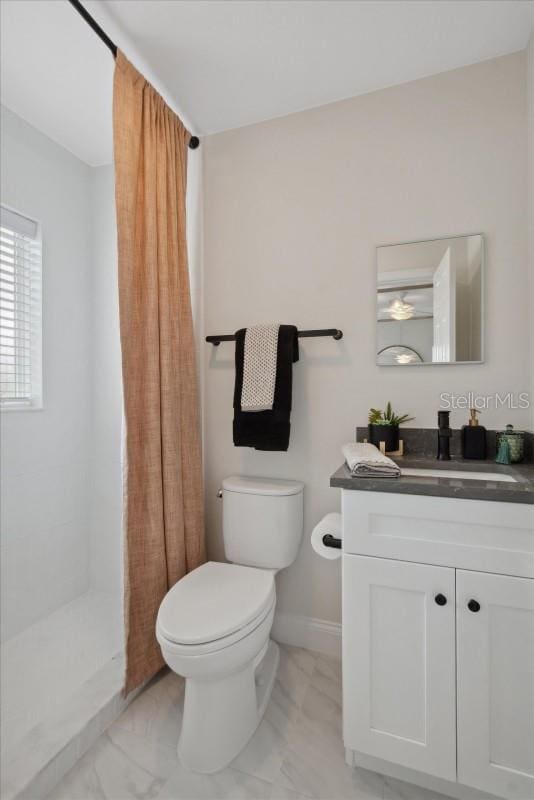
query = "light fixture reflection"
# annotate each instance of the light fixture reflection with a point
(404, 358)
(400, 310)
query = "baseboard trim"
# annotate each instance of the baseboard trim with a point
(313, 634)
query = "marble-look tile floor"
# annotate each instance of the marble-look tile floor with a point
(296, 752)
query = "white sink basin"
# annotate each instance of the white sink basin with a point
(457, 473)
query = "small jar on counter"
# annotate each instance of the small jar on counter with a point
(516, 443)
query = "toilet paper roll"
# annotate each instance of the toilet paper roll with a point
(331, 524)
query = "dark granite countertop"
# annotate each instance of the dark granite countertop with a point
(520, 491)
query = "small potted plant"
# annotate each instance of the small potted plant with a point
(384, 427)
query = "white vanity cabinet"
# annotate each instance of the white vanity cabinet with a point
(438, 657)
(399, 664)
(495, 656)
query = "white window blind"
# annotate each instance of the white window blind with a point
(20, 311)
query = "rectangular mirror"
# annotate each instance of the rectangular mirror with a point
(430, 302)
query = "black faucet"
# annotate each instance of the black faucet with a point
(444, 436)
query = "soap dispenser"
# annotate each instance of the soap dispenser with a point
(474, 438)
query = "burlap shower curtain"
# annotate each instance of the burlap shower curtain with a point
(163, 499)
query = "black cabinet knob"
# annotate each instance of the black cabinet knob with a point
(474, 606)
(440, 599)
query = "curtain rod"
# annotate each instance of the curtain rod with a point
(194, 141)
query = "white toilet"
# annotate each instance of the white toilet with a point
(213, 625)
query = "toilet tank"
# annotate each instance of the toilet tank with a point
(262, 521)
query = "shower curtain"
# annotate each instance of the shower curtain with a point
(163, 497)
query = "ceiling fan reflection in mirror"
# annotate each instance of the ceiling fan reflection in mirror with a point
(398, 355)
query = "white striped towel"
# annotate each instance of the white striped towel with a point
(366, 461)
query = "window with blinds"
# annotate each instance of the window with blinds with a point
(20, 311)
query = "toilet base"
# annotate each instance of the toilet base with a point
(220, 716)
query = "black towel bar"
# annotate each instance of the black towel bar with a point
(334, 332)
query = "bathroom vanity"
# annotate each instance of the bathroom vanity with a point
(438, 626)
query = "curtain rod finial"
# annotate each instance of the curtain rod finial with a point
(194, 142)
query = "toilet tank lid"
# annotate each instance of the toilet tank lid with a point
(265, 486)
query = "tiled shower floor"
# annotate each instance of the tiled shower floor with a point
(45, 664)
(66, 664)
(296, 752)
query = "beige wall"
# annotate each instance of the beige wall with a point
(530, 112)
(294, 209)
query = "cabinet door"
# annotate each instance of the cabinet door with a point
(496, 683)
(399, 663)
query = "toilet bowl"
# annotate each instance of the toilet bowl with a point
(213, 626)
(224, 701)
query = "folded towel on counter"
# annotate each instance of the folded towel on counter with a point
(366, 461)
(269, 429)
(259, 367)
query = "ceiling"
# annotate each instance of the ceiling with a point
(227, 63)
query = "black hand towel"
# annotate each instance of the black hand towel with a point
(267, 430)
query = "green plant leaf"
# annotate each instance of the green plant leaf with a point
(375, 415)
(387, 417)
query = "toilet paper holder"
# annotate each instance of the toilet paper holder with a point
(332, 541)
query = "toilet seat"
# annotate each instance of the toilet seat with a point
(214, 606)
